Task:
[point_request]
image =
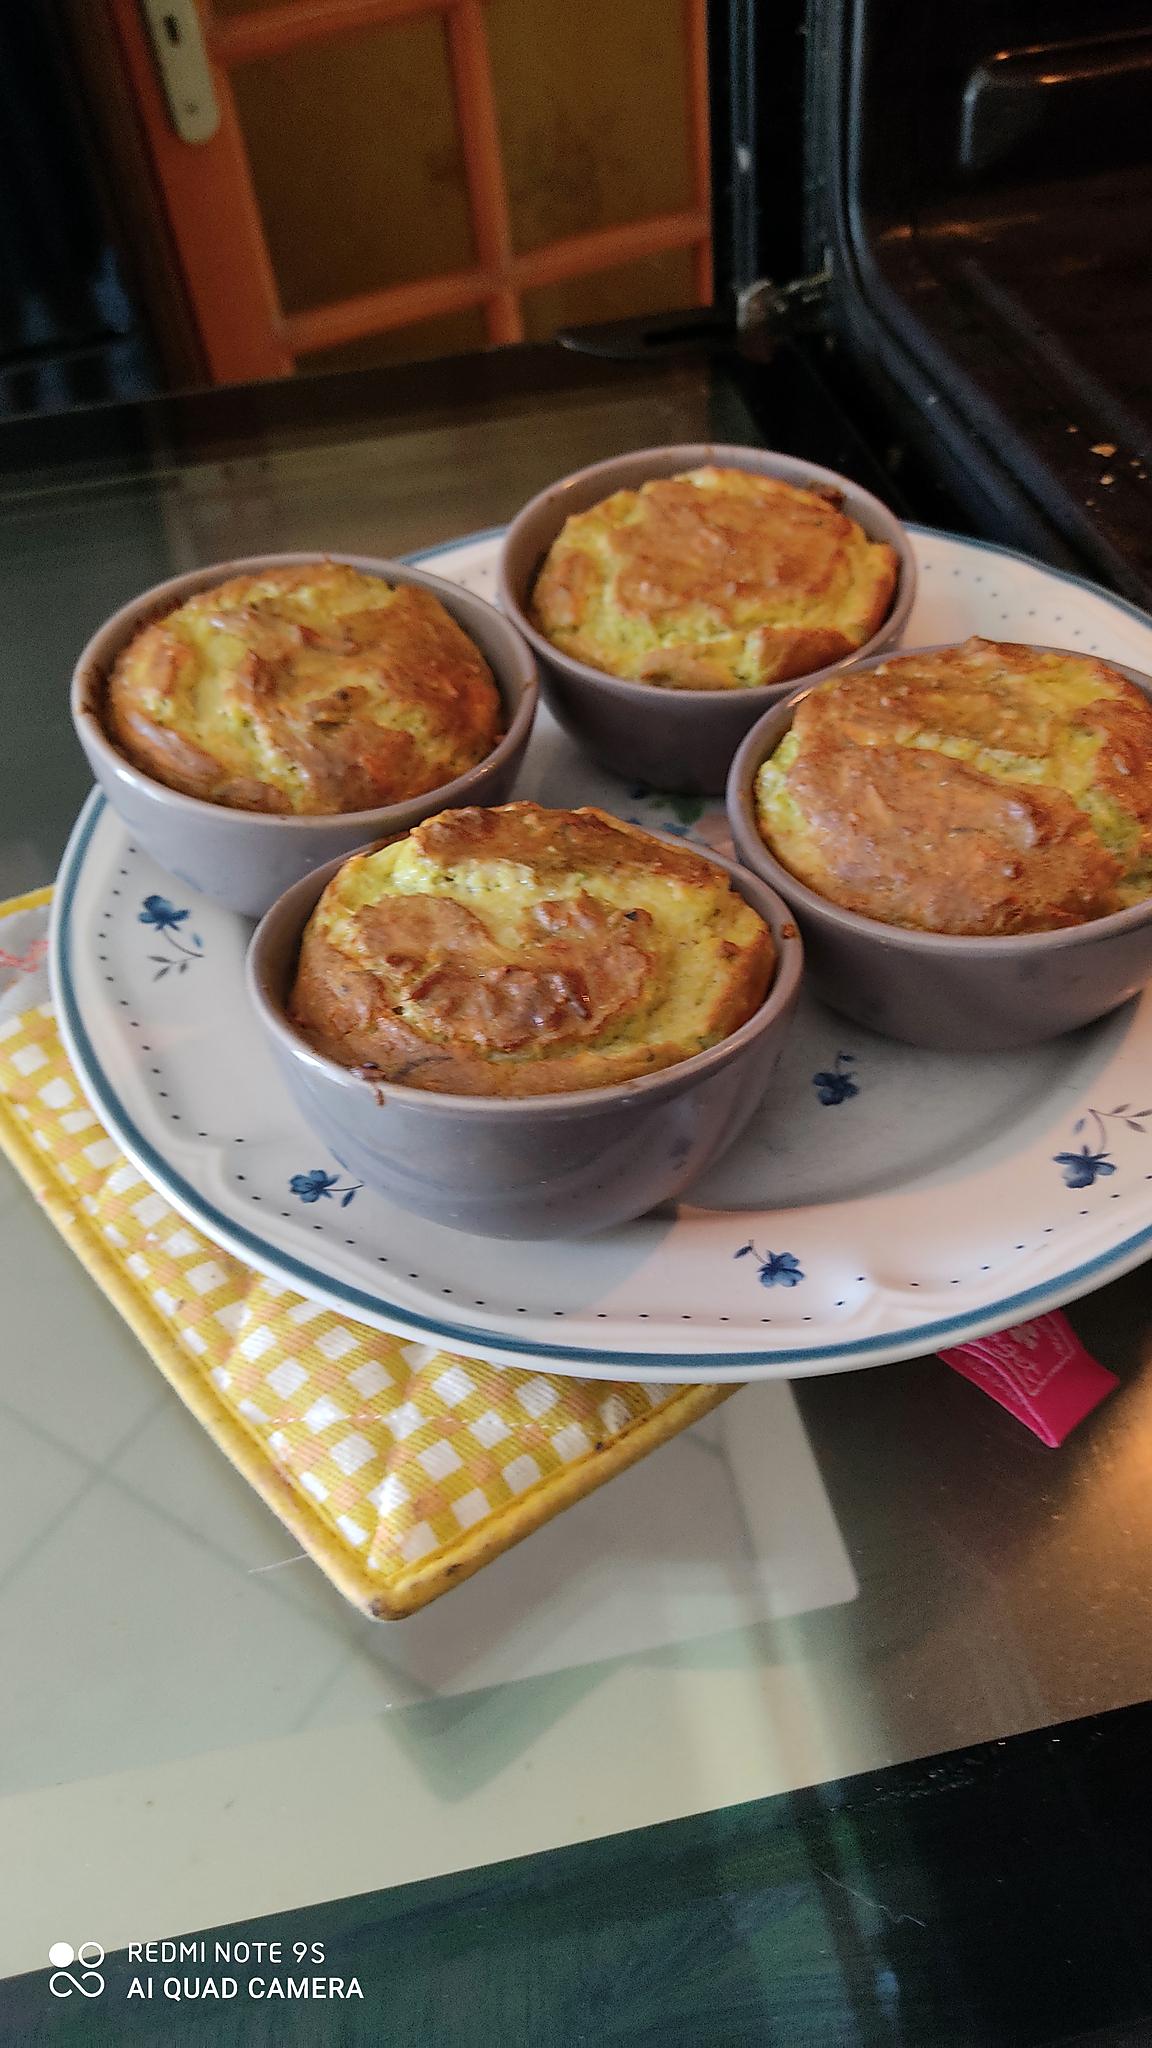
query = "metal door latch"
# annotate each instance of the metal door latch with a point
(182, 61)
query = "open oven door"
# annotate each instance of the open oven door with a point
(966, 194)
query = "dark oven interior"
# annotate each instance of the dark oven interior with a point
(978, 178)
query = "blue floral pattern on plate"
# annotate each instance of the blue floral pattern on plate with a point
(687, 812)
(166, 921)
(318, 1186)
(1083, 1167)
(835, 1084)
(776, 1269)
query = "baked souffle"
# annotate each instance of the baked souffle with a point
(716, 579)
(523, 951)
(984, 789)
(309, 689)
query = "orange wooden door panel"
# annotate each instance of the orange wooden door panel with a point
(483, 165)
(215, 219)
(215, 225)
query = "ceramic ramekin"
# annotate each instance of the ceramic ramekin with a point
(544, 1166)
(953, 993)
(246, 859)
(680, 740)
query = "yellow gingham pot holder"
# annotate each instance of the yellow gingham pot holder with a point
(401, 1469)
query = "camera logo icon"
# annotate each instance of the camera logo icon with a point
(89, 1982)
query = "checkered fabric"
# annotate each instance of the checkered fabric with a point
(400, 1467)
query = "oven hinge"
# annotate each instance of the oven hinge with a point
(770, 308)
(762, 311)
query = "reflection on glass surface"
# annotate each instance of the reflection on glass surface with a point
(190, 1692)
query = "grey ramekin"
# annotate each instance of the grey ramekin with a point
(246, 859)
(540, 1167)
(953, 993)
(671, 739)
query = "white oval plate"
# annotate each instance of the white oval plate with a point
(885, 1201)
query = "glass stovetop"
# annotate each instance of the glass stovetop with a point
(194, 1729)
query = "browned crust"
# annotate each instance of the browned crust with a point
(482, 1019)
(693, 564)
(921, 840)
(331, 703)
(795, 651)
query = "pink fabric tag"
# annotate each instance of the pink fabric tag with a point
(1039, 1371)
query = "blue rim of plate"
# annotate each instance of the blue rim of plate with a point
(1077, 1280)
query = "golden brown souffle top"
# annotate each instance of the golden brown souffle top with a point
(984, 789)
(717, 579)
(307, 689)
(523, 951)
